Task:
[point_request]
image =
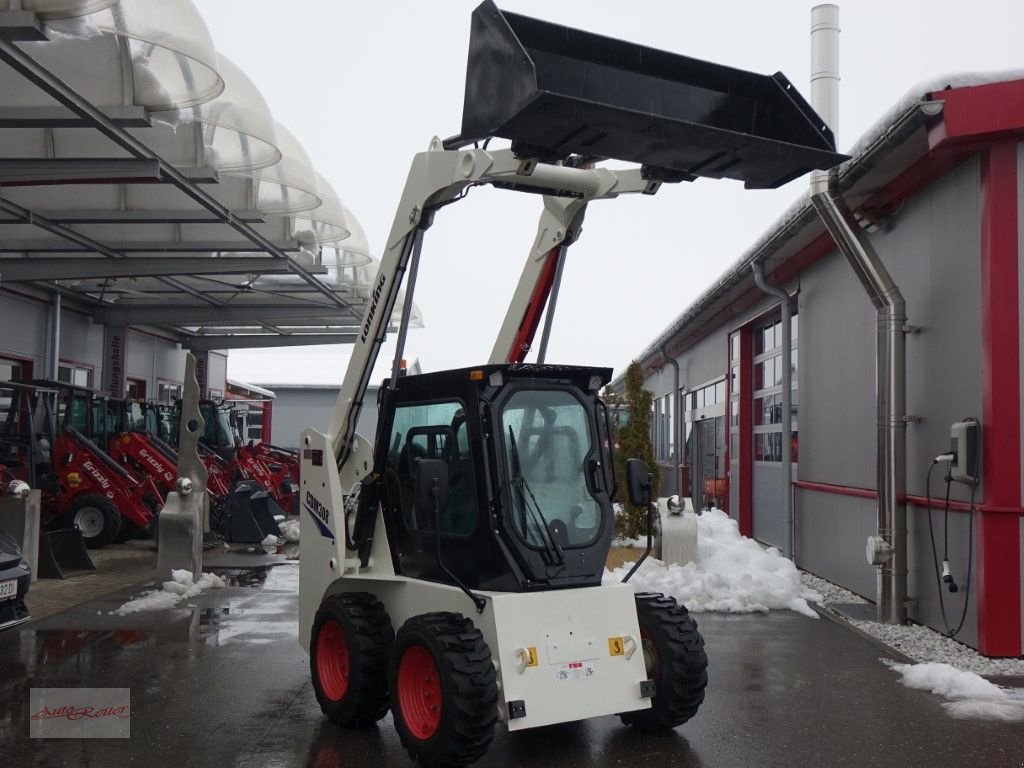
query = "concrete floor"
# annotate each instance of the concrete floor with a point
(225, 684)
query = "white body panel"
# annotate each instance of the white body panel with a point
(575, 676)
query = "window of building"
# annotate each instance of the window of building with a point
(769, 418)
(13, 370)
(663, 438)
(136, 389)
(168, 393)
(707, 396)
(78, 375)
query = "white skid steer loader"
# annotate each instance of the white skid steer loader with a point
(451, 569)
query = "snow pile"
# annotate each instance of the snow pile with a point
(969, 695)
(733, 574)
(180, 587)
(289, 530)
(270, 541)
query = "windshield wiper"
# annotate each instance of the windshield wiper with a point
(551, 548)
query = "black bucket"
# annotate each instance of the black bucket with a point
(62, 552)
(556, 91)
(250, 514)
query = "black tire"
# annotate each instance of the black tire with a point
(356, 623)
(459, 729)
(128, 530)
(676, 662)
(97, 517)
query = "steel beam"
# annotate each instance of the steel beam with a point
(88, 170)
(32, 70)
(23, 26)
(166, 216)
(259, 341)
(203, 314)
(165, 246)
(62, 117)
(25, 270)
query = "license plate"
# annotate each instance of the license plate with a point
(8, 589)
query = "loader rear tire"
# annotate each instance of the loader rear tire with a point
(676, 662)
(97, 517)
(444, 694)
(348, 658)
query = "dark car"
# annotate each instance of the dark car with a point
(14, 582)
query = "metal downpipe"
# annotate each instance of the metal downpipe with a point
(787, 404)
(891, 387)
(677, 421)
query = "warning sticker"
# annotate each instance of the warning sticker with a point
(575, 670)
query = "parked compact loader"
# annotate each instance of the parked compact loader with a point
(451, 569)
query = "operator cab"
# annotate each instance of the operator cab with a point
(529, 475)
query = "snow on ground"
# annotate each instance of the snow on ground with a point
(733, 574)
(967, 695)
(270, 541)
(289, 530)
(180, 587)
(920, 643)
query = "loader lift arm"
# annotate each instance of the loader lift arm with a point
(438, 177)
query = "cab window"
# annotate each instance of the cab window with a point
(432, 431)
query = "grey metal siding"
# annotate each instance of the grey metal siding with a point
(931, 248)
(25, 325)
(921, 584)
(769, 521)
(831, 531)
(300, 408)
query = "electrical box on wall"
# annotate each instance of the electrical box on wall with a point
(965, 445)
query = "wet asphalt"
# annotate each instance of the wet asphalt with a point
(224, 684)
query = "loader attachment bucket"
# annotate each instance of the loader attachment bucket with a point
(61, 552)
(249, 517)
(555, 91)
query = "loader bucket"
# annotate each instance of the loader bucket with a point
(61, 552)
(249, 517)
(556, 91)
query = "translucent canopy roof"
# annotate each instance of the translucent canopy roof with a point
(247, 242)
(155, 55)
(64, 9)
(353, 251)
(237, 126)
(290, 185)
(172, 54)
(328, 222)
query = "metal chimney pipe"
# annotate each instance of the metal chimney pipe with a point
(787, 404)
(890, 340)
(825, 75)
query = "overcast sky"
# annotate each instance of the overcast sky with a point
(366, 84)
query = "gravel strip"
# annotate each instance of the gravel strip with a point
(920, 643)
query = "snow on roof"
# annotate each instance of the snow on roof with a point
(801, 213)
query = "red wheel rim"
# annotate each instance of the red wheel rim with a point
(419, 692)
(332, 662)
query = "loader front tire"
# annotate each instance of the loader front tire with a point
(97, 517)
(348, 658)
(676, 662)
(443, 687)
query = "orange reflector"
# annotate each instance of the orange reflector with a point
(476, 375)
